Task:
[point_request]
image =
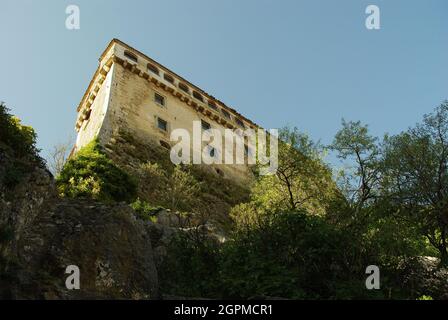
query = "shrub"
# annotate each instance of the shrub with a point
(291, 255)
(177, 190)
(20, 138)
(191, 268)
(19, 142)
(144, 210)
(91, 174)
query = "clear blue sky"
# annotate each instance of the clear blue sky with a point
(306, 63)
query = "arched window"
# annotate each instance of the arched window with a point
(130, 56)
(153, 68)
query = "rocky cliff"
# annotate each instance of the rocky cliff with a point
(41, 234)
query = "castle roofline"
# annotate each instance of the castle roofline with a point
(128, 47)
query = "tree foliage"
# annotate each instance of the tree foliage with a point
(177, 190)
(301, 182)
(91, 174)
(416, 177)
(20, 138)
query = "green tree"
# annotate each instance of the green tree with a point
(299, 177)
(183, 190)
(360, 179)
(302, 180)
(416, 176)
(20, 138)
(177, 190)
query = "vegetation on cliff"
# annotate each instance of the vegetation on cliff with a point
(20, 142)
(296, 234)
(41, 234)
(91, 174)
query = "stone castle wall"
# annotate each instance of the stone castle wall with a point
(125, 100)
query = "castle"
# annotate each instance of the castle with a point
(132, 92)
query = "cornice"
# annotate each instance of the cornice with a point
(102, 71)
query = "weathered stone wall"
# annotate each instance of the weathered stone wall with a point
(91, 128)
(109, 245)
(125, 101)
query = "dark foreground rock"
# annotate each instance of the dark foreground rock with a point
(109, 245)
(41, 234)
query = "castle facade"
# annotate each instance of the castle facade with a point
(132, 92)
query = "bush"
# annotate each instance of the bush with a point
(144, 210)
(191, 268)
(19, 142)
(21, 139)
(91, 174)
(290, 255)
(177, 189)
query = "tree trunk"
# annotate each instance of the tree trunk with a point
(443, 256)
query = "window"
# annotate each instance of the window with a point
(212, 105)
(183, 87)
(246, 150)
(87, 114)
(240, 123)
(165, 144)
(159, 99)
(153, 69)
(198, 96)
(130, 56)
(168, 78)
(162, 124)
(205, 125)
(226, 114)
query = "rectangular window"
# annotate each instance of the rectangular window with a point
(162, 124)
(198, 96)
(159, 99)
(240, 123)
(205, 125)
(212, 105)
(184, 88)
(226, 114)
(130, 56)
(168, 78)
(153, 69)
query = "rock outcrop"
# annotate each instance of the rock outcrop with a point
(42, 234)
